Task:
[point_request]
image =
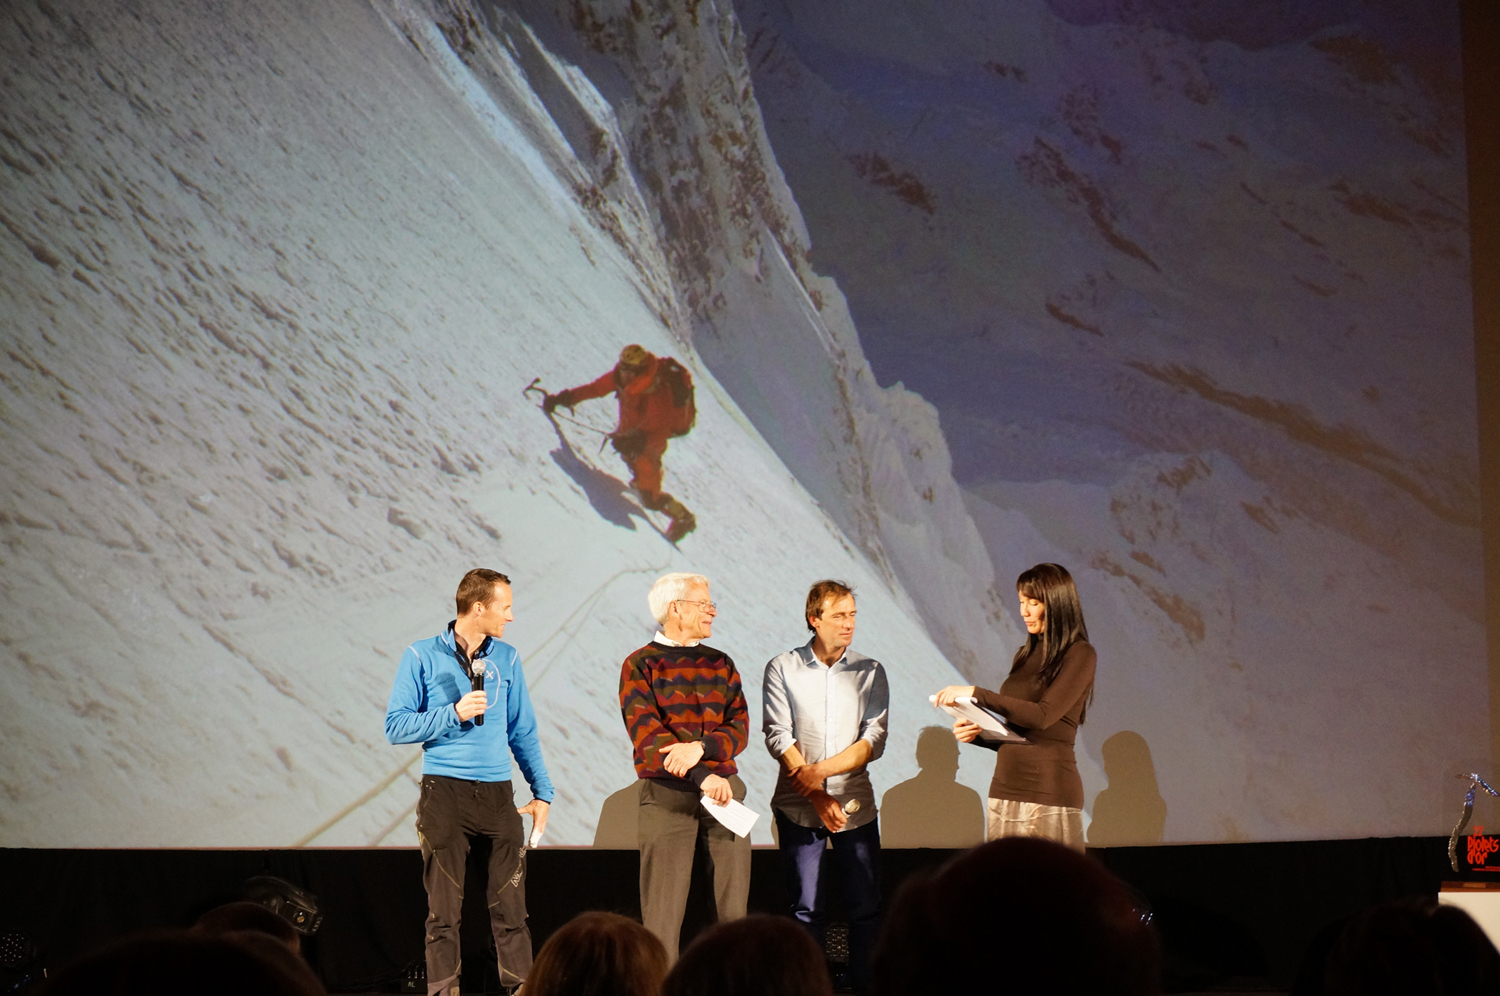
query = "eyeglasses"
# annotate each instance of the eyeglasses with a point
(703, 604)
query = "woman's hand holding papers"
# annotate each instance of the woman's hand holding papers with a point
(953, 693)
(967, 731)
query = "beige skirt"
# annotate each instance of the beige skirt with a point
(1009, 818)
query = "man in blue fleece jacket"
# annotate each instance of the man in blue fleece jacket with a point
(466, 787)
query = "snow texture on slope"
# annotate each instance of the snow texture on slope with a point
(276, 275)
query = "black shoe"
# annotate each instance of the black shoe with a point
(681, 526)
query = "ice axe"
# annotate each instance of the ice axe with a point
(535, 386)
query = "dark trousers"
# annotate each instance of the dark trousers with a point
(449, 811)
(673, 826)
(856, 865)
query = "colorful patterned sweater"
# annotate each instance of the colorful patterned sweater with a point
(677, 694)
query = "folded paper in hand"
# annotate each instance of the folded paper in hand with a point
(734, 814)
(991, 726)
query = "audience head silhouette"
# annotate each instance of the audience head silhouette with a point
(1411, 947)
(187, 963)
(755, 956)
(1017, 915)
(231, 918)
(599, 954)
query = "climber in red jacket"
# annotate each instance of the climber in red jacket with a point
(656, 404)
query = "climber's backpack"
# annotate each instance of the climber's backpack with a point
(677, 380)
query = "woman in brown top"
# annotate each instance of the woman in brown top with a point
(1036, 791)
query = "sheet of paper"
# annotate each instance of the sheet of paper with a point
(735, 815)
(991, 727)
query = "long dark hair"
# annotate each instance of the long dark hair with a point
(1063, 626)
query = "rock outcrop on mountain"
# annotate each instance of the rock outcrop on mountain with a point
(776, 334)
(1189, 286)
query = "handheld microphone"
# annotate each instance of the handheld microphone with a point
(476, 684)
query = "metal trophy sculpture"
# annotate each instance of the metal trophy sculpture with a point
(1474, 782)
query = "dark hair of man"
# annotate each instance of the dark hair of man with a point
(757, 955)
(595, 954)
(1411, 947)
(478, 586)
(1052, 585)
(232, 917)
(186, 963)
(821, 592)
(1079, 929)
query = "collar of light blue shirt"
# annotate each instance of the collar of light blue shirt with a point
(808, 657)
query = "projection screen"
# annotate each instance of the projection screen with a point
(1176, 295)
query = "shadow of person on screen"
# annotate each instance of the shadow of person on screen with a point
(605, 493)
(932, 809)
(618, 819)
(1131, 810)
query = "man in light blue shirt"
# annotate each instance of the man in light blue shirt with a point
(826, 708)
(467, 735)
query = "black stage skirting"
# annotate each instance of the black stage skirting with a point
(1228, 913)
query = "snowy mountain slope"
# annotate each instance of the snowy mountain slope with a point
(276, 276)
(875, 459)
(1191, 295)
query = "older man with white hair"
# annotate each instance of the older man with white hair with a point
(685, 712)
